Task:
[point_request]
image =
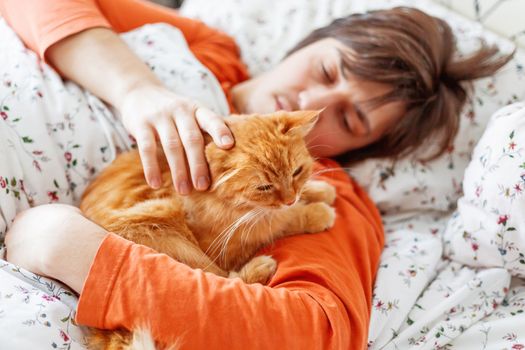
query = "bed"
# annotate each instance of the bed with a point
(452, 275)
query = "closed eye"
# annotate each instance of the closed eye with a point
(326, 74)
(344, 117)
(297, 171)
(264, 188)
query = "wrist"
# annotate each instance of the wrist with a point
(70, 259)
(135, 87)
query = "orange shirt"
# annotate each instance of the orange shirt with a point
(320, 297)
(42, 23)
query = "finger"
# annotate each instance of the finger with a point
(215, 126)
(193, 142)
(174, 152)
(148, 155)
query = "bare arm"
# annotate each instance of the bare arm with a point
(98, 55)
(101, 62)
(79, 39)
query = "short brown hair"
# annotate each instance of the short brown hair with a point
(415, 54)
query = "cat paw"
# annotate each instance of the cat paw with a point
(319, 217)
(318, 191)
(258, 270)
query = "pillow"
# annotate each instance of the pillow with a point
(265, 30)
(487, 230)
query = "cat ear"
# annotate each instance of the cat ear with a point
(233, 120)
(300, 121)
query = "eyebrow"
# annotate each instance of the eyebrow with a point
(359, 111)
(342, 64)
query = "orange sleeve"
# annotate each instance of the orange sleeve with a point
(41, 24)
(319, 298)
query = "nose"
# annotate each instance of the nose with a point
(288, 197)
(320, 97)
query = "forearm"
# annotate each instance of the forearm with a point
(54, 240)
(71, 264)
(137, 286)
(102, 63)
(320, 293)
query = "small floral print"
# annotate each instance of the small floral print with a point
(502, 220)
(64, 336)
(36, 164)
(53, 197)
(49, 297)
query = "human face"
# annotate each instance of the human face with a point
(313, 78)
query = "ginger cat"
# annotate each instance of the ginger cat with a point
(260, 191)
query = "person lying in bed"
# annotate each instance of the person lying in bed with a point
(387, 81)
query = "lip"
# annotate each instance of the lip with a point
(281, 103)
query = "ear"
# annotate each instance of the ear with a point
(300, 121)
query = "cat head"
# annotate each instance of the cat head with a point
(269, 163)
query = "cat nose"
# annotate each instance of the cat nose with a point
(290, 202)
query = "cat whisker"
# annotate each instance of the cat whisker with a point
(216, 242)
(242, 220)
(318, 136)
(246, 233)
(319, 146)
(228, 231)
(225, 177)
(255, 217)
(328, 170)
(256, 212)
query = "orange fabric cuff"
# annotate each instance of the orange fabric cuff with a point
(67, 28)
(96, 292)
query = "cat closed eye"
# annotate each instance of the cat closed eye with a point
(265, 187)
(297, 171)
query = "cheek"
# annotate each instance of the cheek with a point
(291, 77)
(326, 139)
(260, 197)
(260, 98)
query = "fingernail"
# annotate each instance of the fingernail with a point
(184, 188)
(226, 140)
(202, 183)
(155, 183)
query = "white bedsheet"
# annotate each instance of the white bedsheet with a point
(425, 301)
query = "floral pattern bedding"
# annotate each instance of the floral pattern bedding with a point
(54, 137)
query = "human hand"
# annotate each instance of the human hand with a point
(54, 240)
(151, 113)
